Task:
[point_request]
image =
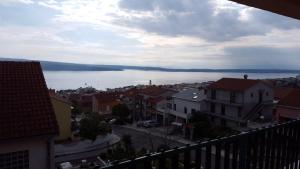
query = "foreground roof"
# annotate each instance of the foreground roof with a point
(25, 106)
(232, 84)
(288, 8)
(292, 99)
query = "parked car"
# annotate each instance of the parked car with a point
(140, 124)
(150, 123)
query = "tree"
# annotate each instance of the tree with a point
(127, 143)
(93, 125)
(121, 111)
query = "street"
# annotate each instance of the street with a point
(144, 140)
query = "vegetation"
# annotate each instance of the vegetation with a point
(121, 111)
(93, 125)
(203, 129)
(124, 150)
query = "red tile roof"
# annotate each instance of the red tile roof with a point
(281, 92)
(107, 96)
(232, 84)
(156, 99)
(153, 91)
(25, 106)
(292, 99)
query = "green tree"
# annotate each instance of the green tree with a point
(121, 111)
(93, 125)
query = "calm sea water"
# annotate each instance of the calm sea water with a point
(113, 79)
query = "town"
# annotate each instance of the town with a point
(96, 128)
(245, 119)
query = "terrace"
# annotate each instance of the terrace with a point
(272, 147)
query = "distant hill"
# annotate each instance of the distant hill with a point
(63, 66)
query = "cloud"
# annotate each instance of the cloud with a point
(171, 33)
(11, 2)
(263, 57)
(202, 18)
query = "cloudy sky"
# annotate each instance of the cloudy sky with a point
(169, 33)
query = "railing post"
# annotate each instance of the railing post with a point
(226, 155)
(175, 161)
(218, 156)
(187, 158)
(235, 147)
(198, 158)
(208, 157)
(262, 143)
(243, 144)
(162, 161)
(148, 163)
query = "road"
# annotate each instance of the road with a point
(144, 140)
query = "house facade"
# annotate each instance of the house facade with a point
(27, 121)
(232, 102)
(62, 110)
(105, 101)
(150, 101)
(183, 104)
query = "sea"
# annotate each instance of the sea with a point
(102, 80)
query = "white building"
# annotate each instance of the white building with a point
(183, 104)
(232, 102)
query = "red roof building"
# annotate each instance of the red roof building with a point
(232, 84)
(27, 120)
(289, 107)
(104, 102)
(281, 92)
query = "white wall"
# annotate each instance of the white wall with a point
(38, 153)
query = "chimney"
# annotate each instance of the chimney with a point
(245, 76)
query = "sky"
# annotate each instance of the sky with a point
(167, 33)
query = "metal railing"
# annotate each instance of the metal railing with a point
(273, 147)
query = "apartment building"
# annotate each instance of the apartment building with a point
(232, 102)
(183, 104)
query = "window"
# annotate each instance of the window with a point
(252, 95)
(205, 91)
(232, 97)
(239, 112)
(193, 111)
(19, 160)
(213, 94)
(223, 122)
(223, 109)
(212, 107)
(185, 110)
(212, 119)
(174, 107)
(169, 105)
(267, 93)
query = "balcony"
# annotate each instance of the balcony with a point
(226, 102)
(273, 147)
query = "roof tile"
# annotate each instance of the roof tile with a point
(25, 106)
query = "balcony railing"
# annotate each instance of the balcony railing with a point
(273, 147)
